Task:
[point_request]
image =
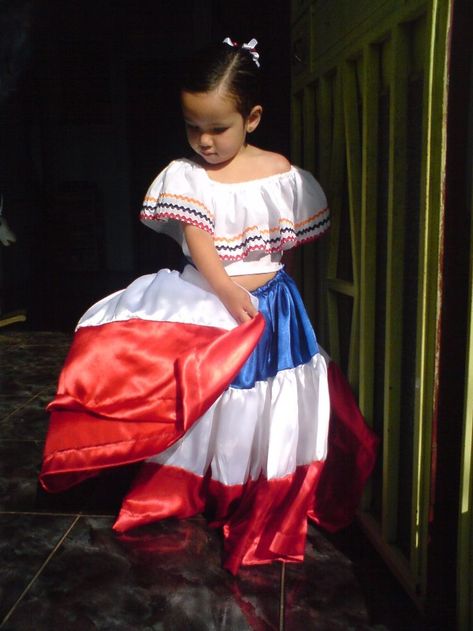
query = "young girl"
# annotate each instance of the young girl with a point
(213, 377)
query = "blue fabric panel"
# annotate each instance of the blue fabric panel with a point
(288, 340)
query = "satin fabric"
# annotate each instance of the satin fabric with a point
(168, 296)
(262, 520)
(352, 448)
(137, 387)
(262, 216)
(288, 339)
(266, 431)
(265, 520)
(123, 395)
(253, 460)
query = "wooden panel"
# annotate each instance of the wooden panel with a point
(353, 152)
(368, 244)
(465, 525)
(374, 89)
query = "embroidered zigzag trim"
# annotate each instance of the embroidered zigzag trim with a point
(170, 206)
(163, 216)
(274, 244)
(240, 238)
(192, 202)
(281, 246)
(166, 207)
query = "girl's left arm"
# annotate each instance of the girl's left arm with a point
(206, 259)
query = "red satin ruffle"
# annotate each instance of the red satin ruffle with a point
(352, 448)
(123, 396)
(263, 520)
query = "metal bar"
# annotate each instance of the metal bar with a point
(324, 102)
(325, 146)
(353, 157)
(296, 149)
(297, 158)
(282, 597)
(309, 253)
(394, 280)
(430, 275)
(337, 167)
(369, 178)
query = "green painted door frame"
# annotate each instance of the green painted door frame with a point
(465, 513)
(369, 95)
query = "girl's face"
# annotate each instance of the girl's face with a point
(215, 129)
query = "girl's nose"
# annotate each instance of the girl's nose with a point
(204, 140)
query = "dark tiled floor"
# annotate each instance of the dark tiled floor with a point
(63, 568)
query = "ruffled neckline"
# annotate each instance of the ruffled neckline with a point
(261, 180)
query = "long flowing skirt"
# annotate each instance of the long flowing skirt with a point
(231, 421)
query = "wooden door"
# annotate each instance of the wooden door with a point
(369, 103)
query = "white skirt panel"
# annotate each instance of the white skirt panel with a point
(267, 430)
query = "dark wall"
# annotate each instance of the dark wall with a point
(91, 116)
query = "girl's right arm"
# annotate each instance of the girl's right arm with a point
(206, 259)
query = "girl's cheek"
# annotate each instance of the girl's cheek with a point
(191, 138)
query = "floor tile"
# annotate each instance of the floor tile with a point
(323, 593)
(167, 577)
(29, 376)
(13, 395)
(11, 402)
(20, 463)
(28, 421)
(28, 366)
(25, 543)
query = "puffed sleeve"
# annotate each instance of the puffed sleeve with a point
(311, 215)
(177, 196)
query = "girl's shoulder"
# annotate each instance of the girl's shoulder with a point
(267, 163)
(253, 165)
(180, 174)
(261, 169)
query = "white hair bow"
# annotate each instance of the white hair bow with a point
(250, 47)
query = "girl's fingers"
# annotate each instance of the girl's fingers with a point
(242, 315)
(252, 311)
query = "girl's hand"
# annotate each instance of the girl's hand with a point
(235, 298)
(238, 302)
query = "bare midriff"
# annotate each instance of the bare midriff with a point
(253, 281)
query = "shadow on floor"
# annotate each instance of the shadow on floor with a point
(64, 568)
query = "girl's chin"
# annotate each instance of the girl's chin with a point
(211, 158)
(215, 159)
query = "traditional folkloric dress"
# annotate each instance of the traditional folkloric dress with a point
(228, 420)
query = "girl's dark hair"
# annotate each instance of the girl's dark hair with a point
(223, 65)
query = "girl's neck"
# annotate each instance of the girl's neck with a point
(240, 168)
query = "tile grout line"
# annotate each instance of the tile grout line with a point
(43, 565)
(23, 405)
(56, 514)
(22, 440)
(282, 598)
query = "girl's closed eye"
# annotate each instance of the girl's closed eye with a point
(219, 130)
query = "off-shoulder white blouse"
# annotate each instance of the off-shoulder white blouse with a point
(252, 222)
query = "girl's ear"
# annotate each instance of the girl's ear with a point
(254, 118)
